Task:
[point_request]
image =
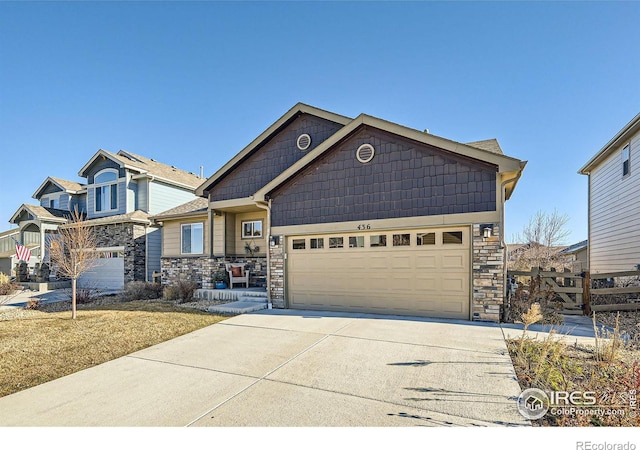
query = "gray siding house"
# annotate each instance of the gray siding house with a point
(120, 193)
(614, 202)
(354, 214)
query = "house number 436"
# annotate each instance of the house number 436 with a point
(364, 226)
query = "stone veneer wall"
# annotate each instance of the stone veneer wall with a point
(276, 284)
(132, 237)
(488, 275)
(200, 269)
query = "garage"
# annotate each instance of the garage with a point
(423, 272)
(108, 272)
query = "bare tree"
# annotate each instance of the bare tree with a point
(542, 237)
(73, 251)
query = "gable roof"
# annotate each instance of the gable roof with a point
(503, 162)
(41, 212)
(71, 187)
(197, 206)
(147, 167)
(575, 247)
(625, 133)
(288, 117)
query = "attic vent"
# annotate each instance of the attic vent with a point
(303, 142)
(365, 153)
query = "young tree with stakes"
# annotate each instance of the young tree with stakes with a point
(73, 251)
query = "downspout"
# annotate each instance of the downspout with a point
(266, 205)
(146, 253)
(503, 244)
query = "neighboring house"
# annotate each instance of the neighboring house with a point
(354, 215)
(614, 202)
(576, 256)
(120, 193)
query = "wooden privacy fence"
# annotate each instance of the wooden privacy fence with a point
(585, 292)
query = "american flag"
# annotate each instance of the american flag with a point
(22, 252)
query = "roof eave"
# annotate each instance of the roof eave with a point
(625, 133)
(185, 215)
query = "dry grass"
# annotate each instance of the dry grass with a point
(40, 346)
(609, 368)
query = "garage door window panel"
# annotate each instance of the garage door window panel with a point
(378, 240)
(316, 243)
(298, 244)
(400, 240)
(426, 239)
(336, 242)
(452, 237)
(356, 241)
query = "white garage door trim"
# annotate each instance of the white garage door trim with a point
(431, 276)
(108, 272)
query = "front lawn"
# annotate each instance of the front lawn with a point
(38, 346)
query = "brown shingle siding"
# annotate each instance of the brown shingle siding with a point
(404, 179)
(273, 158)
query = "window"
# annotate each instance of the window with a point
(625, 160)
(106, 190)
(316, 242)
(426, 239)
(54, 202)
(192, 239)
(356, 241)
(452, 237)
(298, 244)
(378, 240)
(336, 242)
(251, 229)
(401, 239)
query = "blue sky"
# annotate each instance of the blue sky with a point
(191, 83)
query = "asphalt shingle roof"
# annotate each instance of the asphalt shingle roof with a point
(490, 145)
(197, 205)
(157, 168)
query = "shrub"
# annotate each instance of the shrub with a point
(84, 294)
(181, 291)
(33, 303)
(141, 290)
(525, 296)
(6, 286)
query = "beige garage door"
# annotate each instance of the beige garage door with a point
(410, 272)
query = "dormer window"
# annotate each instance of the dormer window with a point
(106, 190)
(54, 203)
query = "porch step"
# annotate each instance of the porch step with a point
(229, 294)
(239, 307)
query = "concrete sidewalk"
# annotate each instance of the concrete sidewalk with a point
(292, 368)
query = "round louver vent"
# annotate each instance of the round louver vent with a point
(365, 153)
(303, 142)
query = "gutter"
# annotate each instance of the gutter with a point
(266, 205)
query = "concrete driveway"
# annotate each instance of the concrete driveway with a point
(292, 368)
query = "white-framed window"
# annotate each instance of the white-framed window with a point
(625, 160)
(106, 190)
(192, 238)
(251, 229)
